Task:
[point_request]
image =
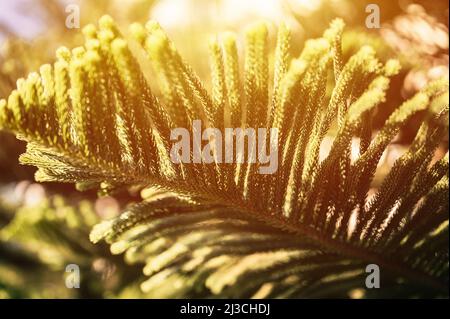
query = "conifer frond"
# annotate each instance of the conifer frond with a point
(93, 119)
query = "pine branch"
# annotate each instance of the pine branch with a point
(93, 119)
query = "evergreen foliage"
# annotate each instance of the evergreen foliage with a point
(309, 230)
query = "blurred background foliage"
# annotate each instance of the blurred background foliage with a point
(44, 228)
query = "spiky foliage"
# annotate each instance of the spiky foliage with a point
(223, 229)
